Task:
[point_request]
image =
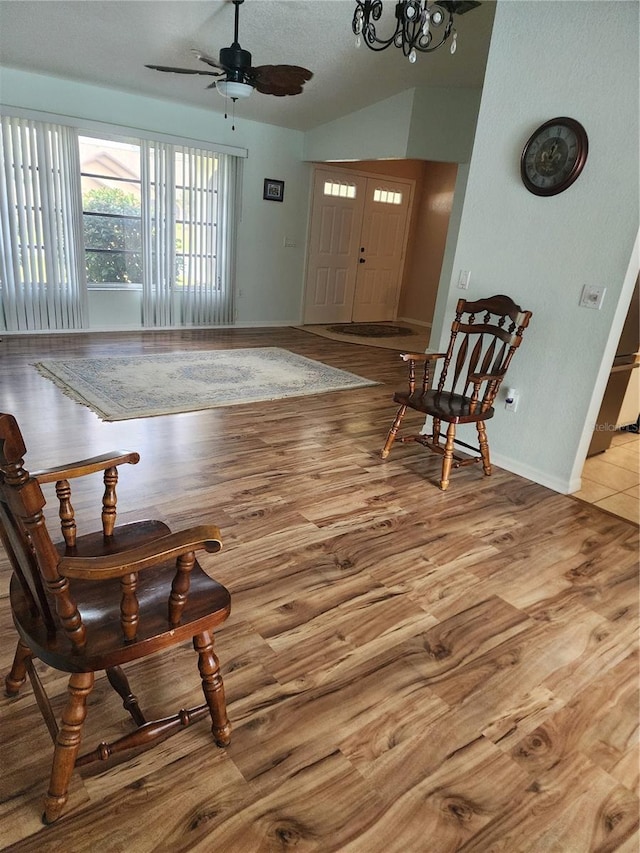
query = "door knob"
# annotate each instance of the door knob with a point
(361, 260)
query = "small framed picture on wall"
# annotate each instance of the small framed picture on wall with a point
(273, 190)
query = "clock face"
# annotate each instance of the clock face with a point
(554, 156)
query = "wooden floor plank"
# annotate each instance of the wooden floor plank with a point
(407, 670)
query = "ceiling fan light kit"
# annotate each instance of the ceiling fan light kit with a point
(420, 26)
(232, 89)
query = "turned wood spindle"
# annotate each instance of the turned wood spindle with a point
(109, 501)
(66, 513)
(129, 607)
(180, 587)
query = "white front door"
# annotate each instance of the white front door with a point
(334, 246)
(357, 246)
(382, 250)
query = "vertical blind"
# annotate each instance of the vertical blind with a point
(198, 193)
(42, 268)
(158, 233)
(188, 210)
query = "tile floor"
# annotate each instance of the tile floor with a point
(611, 480)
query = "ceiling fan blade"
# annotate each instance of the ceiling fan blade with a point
(279, 79)
(279, 91)
(183, 70)
(204, 57)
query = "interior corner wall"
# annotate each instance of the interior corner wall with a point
(379, 131)
(543, 250)
(269, 277)
(443, 123)
(427, 242)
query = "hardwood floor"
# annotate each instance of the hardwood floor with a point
(407, 670)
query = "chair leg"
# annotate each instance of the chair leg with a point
(213, 688)
(18, 675)
(448, 457)
(484, 448)
(120, 683)
(67, 744)
(393, 432)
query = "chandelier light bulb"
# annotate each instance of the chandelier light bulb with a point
(454, 42)
(412, 56)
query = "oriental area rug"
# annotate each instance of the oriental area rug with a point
(142, 386)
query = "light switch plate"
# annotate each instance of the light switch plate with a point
(463, 279)
(592, 296)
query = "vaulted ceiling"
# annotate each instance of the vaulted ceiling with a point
(108, 42)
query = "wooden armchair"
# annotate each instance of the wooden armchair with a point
(472, 370)
(98, 601)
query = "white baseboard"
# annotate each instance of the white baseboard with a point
(543, 478)
(413, 322)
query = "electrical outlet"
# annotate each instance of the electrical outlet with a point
(511, 400)
(592, 296)
(289, 243)
(463, 279)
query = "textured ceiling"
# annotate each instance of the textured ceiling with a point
(108, 42)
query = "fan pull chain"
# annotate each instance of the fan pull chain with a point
(233, 111)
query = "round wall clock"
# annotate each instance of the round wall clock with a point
(554, 156)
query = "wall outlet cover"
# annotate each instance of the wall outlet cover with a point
(592, 296)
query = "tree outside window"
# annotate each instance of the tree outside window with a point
(112, 236)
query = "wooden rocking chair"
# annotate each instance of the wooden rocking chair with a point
(479, 352)
(98, 601)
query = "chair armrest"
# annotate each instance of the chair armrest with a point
(426, 358)
(486, 377)
(422, 356)
(86, 466)
(493, 381)
(204, 537)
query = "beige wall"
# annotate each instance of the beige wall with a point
(411, 170)
(432, 208)
(435, 183)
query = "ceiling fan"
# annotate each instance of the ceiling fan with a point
(238, 78)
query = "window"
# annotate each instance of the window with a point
(387, 196)
(340, 189)
(111, 211)
(89, 212)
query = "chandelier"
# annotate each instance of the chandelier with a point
(420, 25)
